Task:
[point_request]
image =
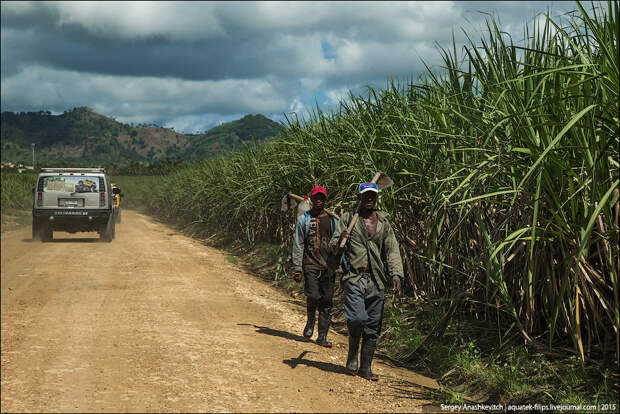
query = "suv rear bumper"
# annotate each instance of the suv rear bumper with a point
(72, 213)
(73, 220)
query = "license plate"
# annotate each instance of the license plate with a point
(70, 202)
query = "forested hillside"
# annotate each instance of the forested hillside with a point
(81, 135)
(228, 136)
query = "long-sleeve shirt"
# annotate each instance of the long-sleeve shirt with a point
(384, 261)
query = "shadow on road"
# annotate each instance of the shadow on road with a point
(72, 240)
(323, 366)
(298, 302)
(274, 332)
(406, 389)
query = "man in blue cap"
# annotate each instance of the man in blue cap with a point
(372, 262)
(313, 232)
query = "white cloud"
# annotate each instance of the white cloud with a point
(335, 96)
(199, 123)
(17, 8)
(296, 106)
(173, 20)
(311, 83)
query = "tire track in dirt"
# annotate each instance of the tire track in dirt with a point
(156, 321)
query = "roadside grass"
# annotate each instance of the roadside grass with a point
(471, 368)
(135, 190)
(13, 219)
(16, 190)
(232, 259)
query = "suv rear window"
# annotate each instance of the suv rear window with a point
(71, 184)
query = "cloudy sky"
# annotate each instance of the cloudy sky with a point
(192, 65)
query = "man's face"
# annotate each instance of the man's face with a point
(368, 199)
(318, 201)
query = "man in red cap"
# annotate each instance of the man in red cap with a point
(313, 231)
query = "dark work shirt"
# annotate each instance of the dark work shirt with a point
(317, 243)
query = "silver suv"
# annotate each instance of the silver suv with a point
(72, 200)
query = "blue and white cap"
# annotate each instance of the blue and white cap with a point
(368, 187)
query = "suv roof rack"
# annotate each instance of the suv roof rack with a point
(99, 169)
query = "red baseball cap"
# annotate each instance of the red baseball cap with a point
(318, 189)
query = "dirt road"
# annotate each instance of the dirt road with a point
(158, 322)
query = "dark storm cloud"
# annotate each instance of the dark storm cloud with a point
(76, 52)
(180, 61)
(77, 49)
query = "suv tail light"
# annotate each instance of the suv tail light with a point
(39, 199)
(101, 192)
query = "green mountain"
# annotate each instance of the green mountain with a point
(231, 135)
(81, 135)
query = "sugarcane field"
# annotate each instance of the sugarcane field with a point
(446, 242)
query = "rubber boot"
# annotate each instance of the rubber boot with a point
(355, 332)
(325, 319)
(368, 351)
(311, 310)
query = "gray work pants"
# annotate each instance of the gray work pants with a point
(363, 306)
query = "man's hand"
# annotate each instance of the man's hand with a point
(395, 285)
(297, 276)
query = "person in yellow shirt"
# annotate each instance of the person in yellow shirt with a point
(116, 191)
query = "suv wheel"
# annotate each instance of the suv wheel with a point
(45, 232)
(108, 232)
(36, 229)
